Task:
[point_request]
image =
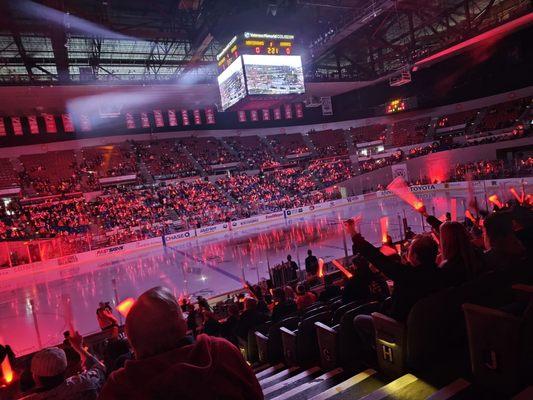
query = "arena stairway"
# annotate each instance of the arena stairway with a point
(281, 383)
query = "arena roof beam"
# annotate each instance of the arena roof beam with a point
(28, 63)
(362, 17)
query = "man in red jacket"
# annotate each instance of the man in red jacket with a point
(169, 365)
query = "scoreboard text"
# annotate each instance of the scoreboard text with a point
(255, 43)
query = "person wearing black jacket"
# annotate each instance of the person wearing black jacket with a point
(412, 281)
(365, 285)
(249, 319)
(283, 307)
(311, 264)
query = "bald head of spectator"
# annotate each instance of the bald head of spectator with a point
(155, 323)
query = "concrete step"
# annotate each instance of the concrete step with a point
(278, 377)
(273, 391)
(313, 387)
(354, 387)
(406, 387)
(457, 390)
(267, 370)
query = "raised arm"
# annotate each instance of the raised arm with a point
(392, 269)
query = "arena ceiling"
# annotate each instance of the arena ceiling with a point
(139, 41)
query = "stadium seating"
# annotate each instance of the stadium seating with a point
(207, 151)
(503, 115)
(461, 118)
(111, 160)
(164, 159)
(252, 151)
(288, 144)
(51, 173)
(368, 133)
(8, 176)
(329, 143)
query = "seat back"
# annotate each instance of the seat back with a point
(335, 305)
(436, 330)
(252, 352)
(306, 340)
(339, 312)
(495, 339)
(274, 350)
(391, 338)
(350, 346)
(314, 311)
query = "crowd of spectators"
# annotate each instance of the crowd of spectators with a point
(170, 339)
(134, 212)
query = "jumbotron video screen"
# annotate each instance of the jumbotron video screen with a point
(266, 74)
(231, 84)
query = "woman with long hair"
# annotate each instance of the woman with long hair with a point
(461, 261)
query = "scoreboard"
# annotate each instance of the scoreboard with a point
(259, 67)
(255, 43)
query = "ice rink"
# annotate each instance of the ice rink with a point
(209, 266)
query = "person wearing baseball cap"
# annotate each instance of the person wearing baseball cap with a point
(49, 367)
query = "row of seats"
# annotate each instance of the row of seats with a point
(314, 354)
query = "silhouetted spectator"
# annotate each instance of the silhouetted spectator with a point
(249, 319)
(311, 264)
(365, 285)
(283, 307)
(167, 365)
(304, 298)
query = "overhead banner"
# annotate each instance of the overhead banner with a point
(241, 115)
(185, 117)
(2, 127)
(172, 119)
(266, 114)
(85, 123)
(299, 110)
(130, 121)
(254, 116)
(158, 118)
(50, 123)
(288, 111)
(400, 170)
(327, 106)
(145, 122)
(197, 117)
(17, 126)
(277, 113)
(210, 116)
(32, 122)
(68, 125)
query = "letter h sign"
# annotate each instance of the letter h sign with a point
(387, 353)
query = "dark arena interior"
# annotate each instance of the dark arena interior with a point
(266, 199)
